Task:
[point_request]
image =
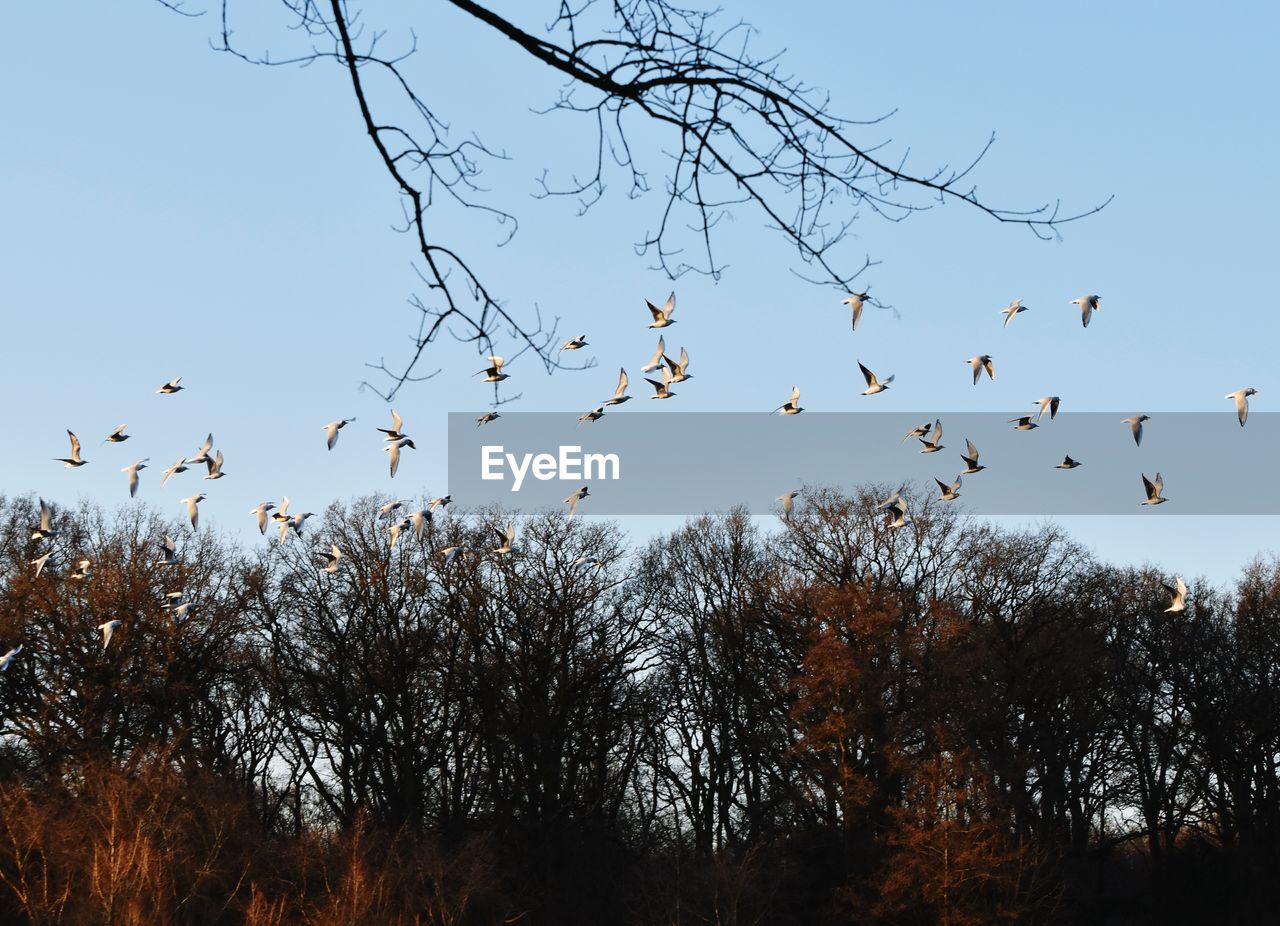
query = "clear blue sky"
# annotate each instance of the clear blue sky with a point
(168, 210)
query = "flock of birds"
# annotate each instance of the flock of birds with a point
(673, 372)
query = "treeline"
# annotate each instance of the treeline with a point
(831, 722)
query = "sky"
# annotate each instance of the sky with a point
(169, 210)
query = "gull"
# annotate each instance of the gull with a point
(8, 657)
(173, 599)
(788, 501)
(1023, 423)
(1012, 309)
(874, 385)
(792, 407)
(1067, 463)
(171, 387)
(108, 631)
(179, 611)
(1242, 402)
(574, 343)
(1088, 305)
(170, 552)
(202, 455)
(949, 492)
(261, 511)
(855, 302)
(179, 467)
(419, 519)
(215, 466)
(620, 394)
(394, 432)
(117, 436)
(385, 510)
(1135, 425)
(393, 449)
(678, 367)
(581, 564)
(441, 502)
(293, 523)
(83, 568)
(192, 511)
(921, 431)
(282, 513)
(332, 428)
(493, 373)
(656, 360)
(448, 553)
(934, 443)
(970, 459)
(662, 316)
(896, 507)
(1153, 488)
(486, 418)
(133, 469)
(1179, 592)
(332, 558)
(507, 539)
(594, 415)
(1050, 404)
(980, 363)
(395, 529)
(74, 460)
(572, 501)
(44, 530)
(660, 388)
(39, 562)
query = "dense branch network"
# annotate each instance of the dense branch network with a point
(747, 135)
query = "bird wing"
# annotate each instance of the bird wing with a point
(622, 383)
(1149, 486)
(990, 367)
(75, 446)
(1242, 407)
(867, 375)
(937, 431)
(973, 451)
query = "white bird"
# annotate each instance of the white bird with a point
(662, 316)
(1153, 489)
(980, 363)
(493, 373)
(678, 367)
(874, 385)
(1088, 305)
(583, 563)
(442, 502)
(791, 407)
(574, 343)
(215, 466)
(486, 418)
(572, 501)
(393, 451)
(281, 513)
(656, 360)
(855, 302)
(39, 562)
(933, 443)
(169, 550)
(117, 436)
(74, 460)
(1067, 463)
(8, 657)
(202, 455)
(385, 510)
(896, 507)
(970, 459)
(44, 530)
(1179, 592)
(1023, 423)
(179, 467)
(179, 611)
(660, 389)
(1012, 309)
(395, 432)
(620, 394)
(594, 415)
(261, 511)
(133, 469)
(507, 539)
(949, 492)
(1242, 402)
(788, 501)
(331, 558)
(332, 428)
(193, 512)
(1050, 404)
(293, 524)
(83, 569)
(1135, 425)
(920, 431)
(419, 519)
(108, 631)
(171, 387)
(448, 553)
(395, 529)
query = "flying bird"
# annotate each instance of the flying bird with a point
(394, 432)
(419, 520)
(1088, 305)
(620, 394)
(594, 415)
(202, 455)
(1135, 425)
(332, 428)
(193, 512)
(1153, 488)
(1050, 404)
(656, 360)
(572, 501)
(8, 657)
(393, 451)
(970, 459)
(331, 558)
(108, 631)
(1242, 402)
(678, 367)
(1023, 423)
(921, 431)
(949, 492)
(933, 443)
(874, 385)
(1012, 309)
(179, 467)
(660, 389)
(896, 507)
(169, 550)
(662, 316)
(442, 502)
(84, 568)
(486, 418)
(44, 530)
(791, 407)
(171, 387)
(133, 469)
(385, 511)
(574, 343)
(117, 436)
(507, 539)
(39, 562)
(261, 511)
(214, 464)
(448, 553)
(395, 529)
(74, 460)
(980, 363)
(493, 373)
(788, 501)
(1179, 592)
(855, 301)
(1067, 463)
